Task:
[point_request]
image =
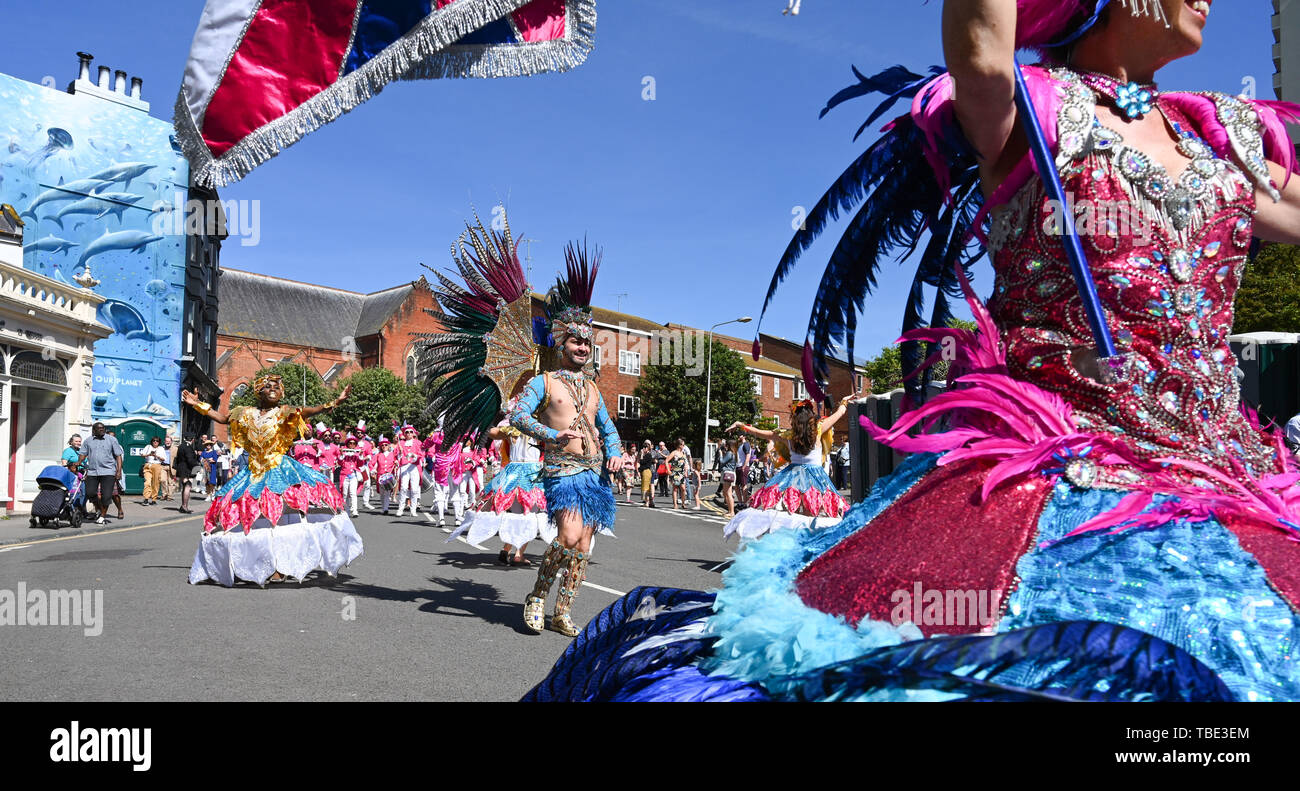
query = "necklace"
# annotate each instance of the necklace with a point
(1133, 99)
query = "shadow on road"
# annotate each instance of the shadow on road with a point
(706, 565)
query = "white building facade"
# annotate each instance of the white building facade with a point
(47, 335)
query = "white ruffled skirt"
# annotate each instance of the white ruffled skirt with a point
(295, 548)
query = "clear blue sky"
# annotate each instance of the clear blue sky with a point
(690, 195)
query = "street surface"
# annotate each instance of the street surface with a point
(415, 618)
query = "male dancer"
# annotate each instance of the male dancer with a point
(565, 410)
(383, 470)
(367, 449)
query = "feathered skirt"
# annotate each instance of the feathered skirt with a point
(280, 531)
(796, 496)
(584, 492)
(513, 507)
(896, 602)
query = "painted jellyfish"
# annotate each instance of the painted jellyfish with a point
(58, 147)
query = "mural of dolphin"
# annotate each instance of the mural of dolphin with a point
(70, 191)
(50, 244)
(100, 205)
(124, 172)
(118, 240)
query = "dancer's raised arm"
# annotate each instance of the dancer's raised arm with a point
(979, 45)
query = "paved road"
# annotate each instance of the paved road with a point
(432, 620)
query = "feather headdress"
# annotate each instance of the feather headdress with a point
(568, 303)
(488, 347)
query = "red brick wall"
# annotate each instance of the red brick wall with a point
(399, 335)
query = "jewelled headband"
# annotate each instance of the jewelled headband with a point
(572, 321)
(266, 379)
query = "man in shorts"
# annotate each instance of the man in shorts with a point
(102, 455)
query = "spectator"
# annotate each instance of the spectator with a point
(694, 481)
(152, 471)
(211, 467)
(744, 456)
(629, 470)
(661, 469)
(167, 477)
(726, 464)
(223, 465)
(103, 458)
(646, 464)
(843, 465)
(676, 462)
(184, 462)
(120, 486)
(72, 453)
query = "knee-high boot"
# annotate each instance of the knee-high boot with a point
(547, 570)
(575, 571)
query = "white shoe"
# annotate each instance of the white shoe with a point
(354, 513)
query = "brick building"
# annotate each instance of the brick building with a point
(265, 320)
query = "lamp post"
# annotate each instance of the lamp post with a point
(708, 387)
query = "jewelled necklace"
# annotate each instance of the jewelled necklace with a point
(1133, 99)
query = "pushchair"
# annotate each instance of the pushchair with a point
(62, 497)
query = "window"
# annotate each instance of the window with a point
(239, 390)
(629, 406)
(803, 391)
(776, 387)
(757, 379)
(629, 363)
(595, 352)
(31, 365)
(410, 369)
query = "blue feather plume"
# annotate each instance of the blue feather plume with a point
(1068, 660)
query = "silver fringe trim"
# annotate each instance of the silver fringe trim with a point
(433, 35)
(517, 60)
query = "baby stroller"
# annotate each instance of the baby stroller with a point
(62, 497)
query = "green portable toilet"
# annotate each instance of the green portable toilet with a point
(134, 436)
(1270, 364)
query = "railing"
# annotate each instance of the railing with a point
(24, 286)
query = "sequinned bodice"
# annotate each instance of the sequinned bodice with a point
(1167, 256)
(265, 436)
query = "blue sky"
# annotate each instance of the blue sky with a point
(691, 195)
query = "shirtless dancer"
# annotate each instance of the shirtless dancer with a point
(564, 410)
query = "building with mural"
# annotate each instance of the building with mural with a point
(1286, 54)
(95, 180)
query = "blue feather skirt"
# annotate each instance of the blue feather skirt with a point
(584, 492)
(1179, 612)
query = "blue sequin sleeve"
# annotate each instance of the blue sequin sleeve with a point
(608, 434)
(528, 402)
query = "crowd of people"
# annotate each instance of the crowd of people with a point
(739, 466)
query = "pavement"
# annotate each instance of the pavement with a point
(417, 617)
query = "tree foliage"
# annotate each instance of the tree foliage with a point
(292, 376)
(379, 397)
(673, 400)
(1269, 297)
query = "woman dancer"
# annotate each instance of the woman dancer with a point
(800, 495)
(410, 457)
(1136, 525)
(513, 506)
(351, 462)
(251, 531)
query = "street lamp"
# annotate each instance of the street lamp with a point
(708, 388)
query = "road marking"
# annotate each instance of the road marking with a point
(10, 549)
(104, 532)
(464, 540)
(603, 588)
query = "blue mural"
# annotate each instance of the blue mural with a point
(94, 182)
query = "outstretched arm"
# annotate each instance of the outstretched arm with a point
(835, 416)
(191, 399)
(310, 411)
(979, 44)
(761, 433)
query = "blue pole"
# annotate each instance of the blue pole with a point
(1073, 247)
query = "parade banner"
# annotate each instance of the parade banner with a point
(262, 74)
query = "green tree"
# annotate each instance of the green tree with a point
(1269, 297)
(379, 397)
(292, 375)
(673, 400)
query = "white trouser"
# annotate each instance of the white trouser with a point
(454, 491)
(408, 486)
(350, 492)
(365, 491)
(472, 484)
(384, 494)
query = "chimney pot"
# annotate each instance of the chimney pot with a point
(120, 85)
(105, 78)
(85, 58)
(136, 84)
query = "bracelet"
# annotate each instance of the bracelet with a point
(203, 408)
